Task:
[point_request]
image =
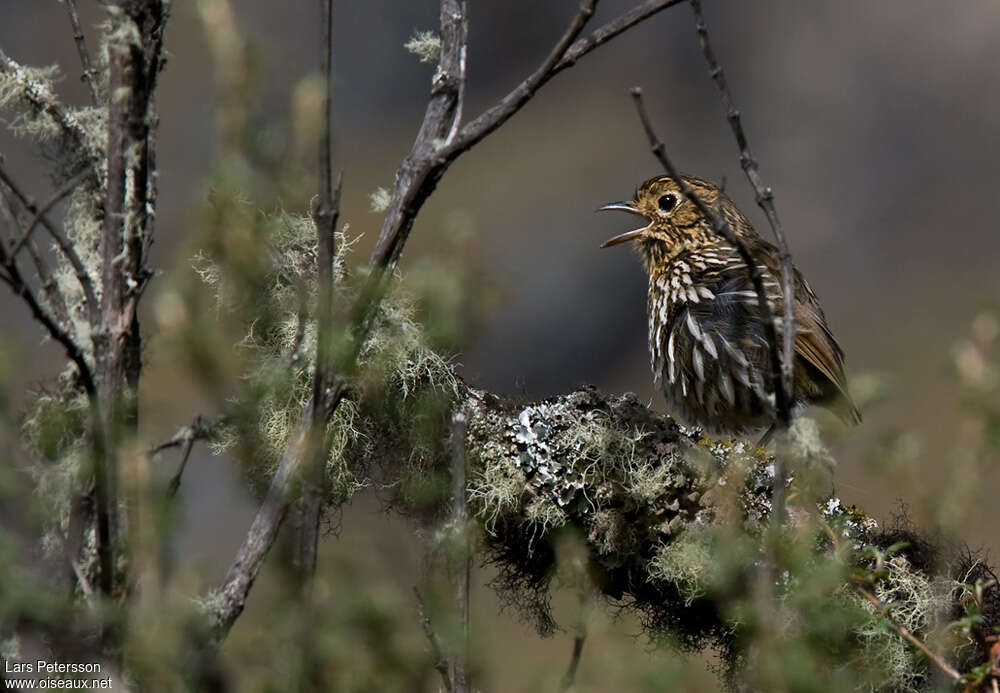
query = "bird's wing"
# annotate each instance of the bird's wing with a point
(734, 315)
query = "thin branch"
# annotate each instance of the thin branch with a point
(11, 209)
(498, 114)
(579, 638)
(189, 437)
(426, 163)
(17, 284)
(89, 74)
(199, 429)
(460, 567)
(65, 190)
(53, 294)
(765, 199)
(65, 246)
(440, 661)
(81, 578)
(608, 31)
(938, 660)
(325, 218)
(231, 597)
(721, 227)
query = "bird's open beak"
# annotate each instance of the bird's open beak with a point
(628, 235)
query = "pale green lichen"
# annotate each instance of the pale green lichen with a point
(394, 360)
(378, 200)
(687, 562)
(913, 602)
(27, 90)
(426, 45)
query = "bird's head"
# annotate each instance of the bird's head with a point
(671, 218)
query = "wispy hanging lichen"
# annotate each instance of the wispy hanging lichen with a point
(426, 45)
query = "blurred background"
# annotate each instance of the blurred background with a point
(875, 124)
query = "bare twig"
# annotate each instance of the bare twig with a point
(189, 437)
(606, 32)
(17, 284)
(65, 190)
(81, 578)
(765, 199)
(498, 114)
(11, 210)
(440, 661)
(325, 218)
(232, 595)
(938, 660)
(199, 429)
(65, 246)
(460, 567)
(89, 74)
(579, 638)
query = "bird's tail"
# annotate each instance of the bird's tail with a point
(844, 407)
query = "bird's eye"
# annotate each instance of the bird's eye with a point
(667, 202)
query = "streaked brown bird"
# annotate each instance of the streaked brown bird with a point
(707, 342)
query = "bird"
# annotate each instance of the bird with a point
(708, 345)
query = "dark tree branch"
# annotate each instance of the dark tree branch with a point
(17, 284)
(64, 244)
(579, 638)
(460, 563)
(424, 165)
(608, 31)
(89, 74)
(765, 199)
(230, 599)
(134, 56)
(200, 429)
(498, 114)
(189, 437)
(53, 295)
(325, 218)
(56, 198)
(440, 661)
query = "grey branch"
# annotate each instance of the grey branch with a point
(67, 248)
(324, 379)
(441, 665)
(765, 199)
(460, 565)
(89, 74)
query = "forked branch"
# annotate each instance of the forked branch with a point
(440, 141)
